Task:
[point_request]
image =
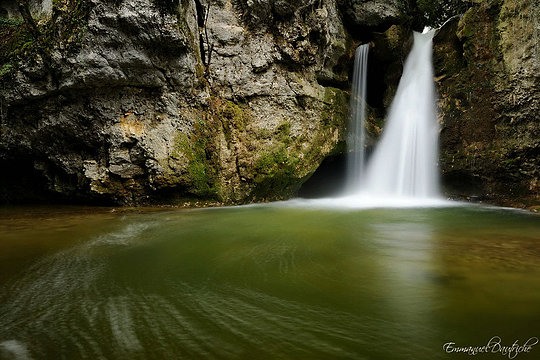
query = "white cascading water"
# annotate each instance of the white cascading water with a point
(356, 137)
(404, 164)
(402, 172)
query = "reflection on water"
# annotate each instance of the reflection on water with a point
(266, 282)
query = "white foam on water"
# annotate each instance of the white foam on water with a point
(367, 201)
(122, 324)
(13, 349)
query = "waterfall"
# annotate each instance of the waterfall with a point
(356, 138)
(404, 163)
(402, 171)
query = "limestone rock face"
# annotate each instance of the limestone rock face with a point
(488, 72)
(273, 92)
(150, 100)
(100, 120)
(375, 14)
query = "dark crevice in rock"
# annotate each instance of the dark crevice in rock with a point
(205, 47)
(200, 9)
(335, 83)
(377, 85)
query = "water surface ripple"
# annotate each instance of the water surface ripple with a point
(266, 282)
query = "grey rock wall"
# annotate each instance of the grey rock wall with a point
(231, 101)
(379, 15)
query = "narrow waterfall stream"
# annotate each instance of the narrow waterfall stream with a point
(356, 140)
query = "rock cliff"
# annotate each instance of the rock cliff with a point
(488, 73)
(232, 101)
(138, 100)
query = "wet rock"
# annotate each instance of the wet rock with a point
(487, 67)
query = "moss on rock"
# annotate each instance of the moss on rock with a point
(336, 108)
(489, 101)
(276, 172)
(200, 176)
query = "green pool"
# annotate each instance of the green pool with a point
(268, 282)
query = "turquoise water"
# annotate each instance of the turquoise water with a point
(266, 282)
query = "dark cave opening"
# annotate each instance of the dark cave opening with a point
(328, 180)
(21, 183)
(24, 183)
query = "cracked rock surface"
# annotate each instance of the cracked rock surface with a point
(164, 101)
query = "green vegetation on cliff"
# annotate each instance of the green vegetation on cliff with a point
(200, 176)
